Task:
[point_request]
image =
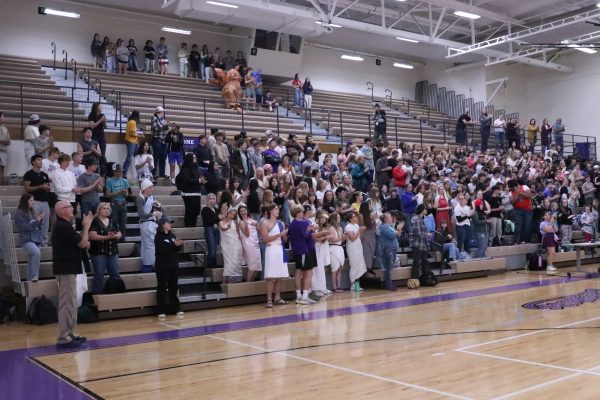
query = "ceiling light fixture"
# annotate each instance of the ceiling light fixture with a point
(586, 50)
(50, 11)
(407, 39)
(331, 25)
(216, 3)
(352, 58)
(176, 30)
(402, 65)
(466, 15)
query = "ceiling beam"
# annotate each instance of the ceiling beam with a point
(460, 6)
(405, 15)
(318, 7)
(578, 18)
(439, 23)
(535, 50)
(332, 9)
(349, 6)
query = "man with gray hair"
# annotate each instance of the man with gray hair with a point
(66, 265)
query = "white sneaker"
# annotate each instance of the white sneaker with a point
(162, 316)
(180, 314)
(550, 268)
(309, 300)
(298, 300)
(303, 301)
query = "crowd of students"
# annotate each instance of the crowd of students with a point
(195, 62)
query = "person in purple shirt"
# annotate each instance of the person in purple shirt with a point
(300, 237)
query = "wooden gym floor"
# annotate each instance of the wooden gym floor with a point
(470, 339)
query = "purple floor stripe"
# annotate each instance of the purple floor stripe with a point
(22, 378)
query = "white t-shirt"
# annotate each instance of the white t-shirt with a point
(146, 170)
(76, 170)
(462, 211)
(49, 167)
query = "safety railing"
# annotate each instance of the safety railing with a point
(197, 115)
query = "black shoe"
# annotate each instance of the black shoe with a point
(72, 344)
(80, 339)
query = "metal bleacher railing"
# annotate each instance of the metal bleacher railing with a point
(9, 251)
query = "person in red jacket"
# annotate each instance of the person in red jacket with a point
(400, 178)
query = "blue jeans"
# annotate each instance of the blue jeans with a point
(482, 244)
(159, 150)
(119, 215)
(389, 259)
(211, 234)
(452, 250)
(298, 97)
(499, 140)
(378, 252)
(463, 237)
(88, 207)
(102, 264)
(131, 149)
(558, 139)
(33, 265)
(522, 220)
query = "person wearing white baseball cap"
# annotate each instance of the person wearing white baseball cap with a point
(160, 129)
(149, 214)
(31, 132)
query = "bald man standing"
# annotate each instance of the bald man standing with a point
(66, 264)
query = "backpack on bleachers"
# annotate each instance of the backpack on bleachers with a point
(42, 311)
(7, 310)
(114, 285)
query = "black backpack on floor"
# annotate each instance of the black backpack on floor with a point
(7, 310)
(42, 311)
(535, 262)
(428, 280)
(87, 313)
(114, 285)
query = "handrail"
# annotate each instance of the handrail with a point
(97, 80)
(74, 64)
(389, 96)
(53, 45)
(66, 60)
(371, 88)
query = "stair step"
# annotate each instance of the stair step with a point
(198, 297)
(193, 280)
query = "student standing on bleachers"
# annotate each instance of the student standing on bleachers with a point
(167, 268)
(163, 56)
(160, 128)
(88, 147)
(144, 162)
(133, 51)
(194, 60)
(104, 248)
(297, 85)
(97, 122)
(44, 142)
(210, 220)
(29, 225)
(149, 57)
(64, 181)
(148, 214)
(66, 265)
(90, 184)
(249, 235)
(183, 55)
(37, 182)
(220, 153)
(307, 91)
(232, 245)
(96, 49)
(31, 132)
(131, 139)
(122, 54)
(175, 150)
(190, 182)
(117, 188)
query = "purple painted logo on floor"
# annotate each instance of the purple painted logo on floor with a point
(559, 303)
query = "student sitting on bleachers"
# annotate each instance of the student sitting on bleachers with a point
(29, 223)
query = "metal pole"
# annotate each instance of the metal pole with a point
(74, 63)
(408, 111)
(205, 122)
(243, 112)
(396, 129)
(277, 116)
(444, 130)
(66, 62)
(72, 112)
(369, 122)
(421, 132)
(371, 87)
(341, 129)
(120, 111)
(53, 45)
(328, 123)
(22, 106)
(310, 120)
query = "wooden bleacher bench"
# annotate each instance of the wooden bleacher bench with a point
(125, 249)
(49, 287)
(518, 249)
(246, 289)
(120, 301)
(127, 265)
(479, 264)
